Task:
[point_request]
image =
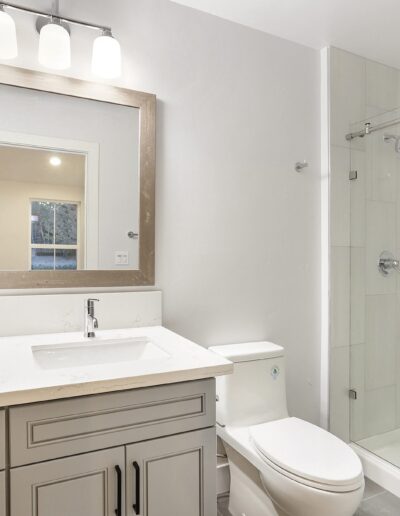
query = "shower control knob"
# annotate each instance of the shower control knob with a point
(387, 263)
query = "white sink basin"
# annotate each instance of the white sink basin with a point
(97, 351)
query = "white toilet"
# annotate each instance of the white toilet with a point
(279, 465)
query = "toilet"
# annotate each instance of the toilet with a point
(279, 465)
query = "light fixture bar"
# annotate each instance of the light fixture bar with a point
(72, 21)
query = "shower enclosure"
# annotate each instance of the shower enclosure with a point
(375, 286)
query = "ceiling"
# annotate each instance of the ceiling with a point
(30, 165)
(370, 28)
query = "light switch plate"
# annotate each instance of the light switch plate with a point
(121, 258)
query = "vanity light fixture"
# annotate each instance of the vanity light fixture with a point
(55, 161)
(8, 36)
(54, 46)
(55, 41)
(106, 57)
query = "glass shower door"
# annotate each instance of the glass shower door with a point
(375, 286)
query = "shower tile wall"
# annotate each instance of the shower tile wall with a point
(360, 88)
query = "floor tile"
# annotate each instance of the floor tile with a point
(223, 504)
(384, 504)
(371, 489)
(376, 502)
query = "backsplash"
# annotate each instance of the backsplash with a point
(25, 315)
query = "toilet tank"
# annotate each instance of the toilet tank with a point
(256, 391)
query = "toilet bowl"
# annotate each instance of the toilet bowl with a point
(303, 469)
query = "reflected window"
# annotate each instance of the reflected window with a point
(54, 242)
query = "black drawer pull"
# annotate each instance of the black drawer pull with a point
(136, 505)
(118, 510)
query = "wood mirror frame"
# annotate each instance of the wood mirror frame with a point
(146, 103)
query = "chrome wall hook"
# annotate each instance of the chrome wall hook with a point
(300, 165)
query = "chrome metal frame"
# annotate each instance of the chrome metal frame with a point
(57, 16)
(368, 129)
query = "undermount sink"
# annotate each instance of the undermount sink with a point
(97, 351)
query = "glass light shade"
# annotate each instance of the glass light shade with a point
(8, 37)
(54, 47)
(106, 58)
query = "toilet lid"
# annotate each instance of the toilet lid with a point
(307, 451)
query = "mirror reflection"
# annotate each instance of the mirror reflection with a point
(69, 183)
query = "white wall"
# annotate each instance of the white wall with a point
(237, 244)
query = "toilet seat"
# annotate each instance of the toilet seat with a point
(307, 454)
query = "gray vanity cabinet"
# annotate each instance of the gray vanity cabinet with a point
(174, 476)
(147, 452)
(85, 485)
(2, 440)
(2, 493)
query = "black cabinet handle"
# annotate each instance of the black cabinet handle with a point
(118, 510)
(136, 505)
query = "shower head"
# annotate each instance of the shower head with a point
(388, 138)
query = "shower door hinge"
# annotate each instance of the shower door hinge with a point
(353, 175)
(352, 394)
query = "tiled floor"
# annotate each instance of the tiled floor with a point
(376, 502)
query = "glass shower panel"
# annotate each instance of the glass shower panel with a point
(375, 286)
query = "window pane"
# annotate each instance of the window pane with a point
(42, 259)
(66, 224)
(66, 259)
(42, 222)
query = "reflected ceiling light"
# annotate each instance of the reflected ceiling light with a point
(106, 57)
(8, 36)
(55, 41)
(54, 46)
(55, 161)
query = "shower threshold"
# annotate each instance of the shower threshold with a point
(380, 457)
(386, 446)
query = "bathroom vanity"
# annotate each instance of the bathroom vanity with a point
(100, 442)
(92, 423)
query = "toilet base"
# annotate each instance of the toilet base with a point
(248, 496)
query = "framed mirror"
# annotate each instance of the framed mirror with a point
(77, 183)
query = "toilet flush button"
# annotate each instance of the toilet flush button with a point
(275, 372)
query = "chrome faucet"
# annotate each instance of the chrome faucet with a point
(91, 323)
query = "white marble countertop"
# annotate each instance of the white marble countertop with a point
(23, 379)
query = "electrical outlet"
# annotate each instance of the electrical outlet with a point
(121, 258)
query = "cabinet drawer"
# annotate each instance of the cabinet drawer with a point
(55, 429)
(2, 439)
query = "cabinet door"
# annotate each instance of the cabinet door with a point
(2, 493)
(172, 476)
(85, 485)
